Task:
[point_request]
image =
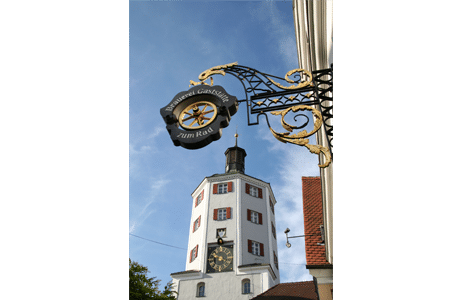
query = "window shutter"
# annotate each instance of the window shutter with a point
(230, 187)
(260, 193)
(196, 201)
(228, 213)
(250, 245)
(247, 188)
(194, 226)
(202, 195)
(215, 188)
(197, 247)
(262, 253)
(260, 219)
(190, 256)
(215, 214)
(249, 217)
(199, 222)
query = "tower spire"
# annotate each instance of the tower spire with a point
(235, 158)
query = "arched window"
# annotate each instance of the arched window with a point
(200, 289)
(246, 286)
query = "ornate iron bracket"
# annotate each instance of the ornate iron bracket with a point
(308, 91)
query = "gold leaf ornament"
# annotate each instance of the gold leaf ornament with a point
(316, 115)
(299, 85)
(217, 70)
(301, 138)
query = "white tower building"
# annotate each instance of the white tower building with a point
(232, 248)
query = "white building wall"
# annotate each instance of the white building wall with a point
(198, 237)
(238, 231)
(252, 231)
(226, 285)
(222, 201)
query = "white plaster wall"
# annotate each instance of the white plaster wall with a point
(198, 237)
(238, 230)
(222, 201)
(252, 231)
(175, 283)
(273, 241)
(226, 285)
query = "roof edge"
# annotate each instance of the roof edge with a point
(325, 266)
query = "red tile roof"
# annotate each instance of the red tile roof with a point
(312, 211)
(290, 291)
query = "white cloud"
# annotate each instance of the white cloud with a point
(157, 184)
(156, 132)
(133, 227)
(272, 17)
(138, 150)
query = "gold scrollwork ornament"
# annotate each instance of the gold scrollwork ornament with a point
(218, 70)
(301, 138)
(299, 85)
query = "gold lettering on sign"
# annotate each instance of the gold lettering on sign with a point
(196, 134)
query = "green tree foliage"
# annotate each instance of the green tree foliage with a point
(142, 287)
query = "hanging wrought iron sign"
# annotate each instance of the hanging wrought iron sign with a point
(308, 92)
(196, 117)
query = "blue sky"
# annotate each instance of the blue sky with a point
(170, 44)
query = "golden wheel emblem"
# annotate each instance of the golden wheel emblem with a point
(198, 115)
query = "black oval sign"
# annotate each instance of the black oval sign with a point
(196, 117)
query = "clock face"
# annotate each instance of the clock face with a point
(220, 259)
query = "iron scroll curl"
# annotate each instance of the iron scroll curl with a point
(265, 94)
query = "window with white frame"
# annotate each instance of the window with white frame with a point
(197, 223)
(200, 289)
(222, 214)
(253, 191)
(275, 260)
(222, 188)
(246, 286)
(199, 198)
(254, 217)
(193, 254)
(271, 205)
(255, 248)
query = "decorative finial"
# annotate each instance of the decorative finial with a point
(236, 136)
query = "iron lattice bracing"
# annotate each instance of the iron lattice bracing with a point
(265, 94)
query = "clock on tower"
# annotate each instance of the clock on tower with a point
(232, 249)
(220, 259)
